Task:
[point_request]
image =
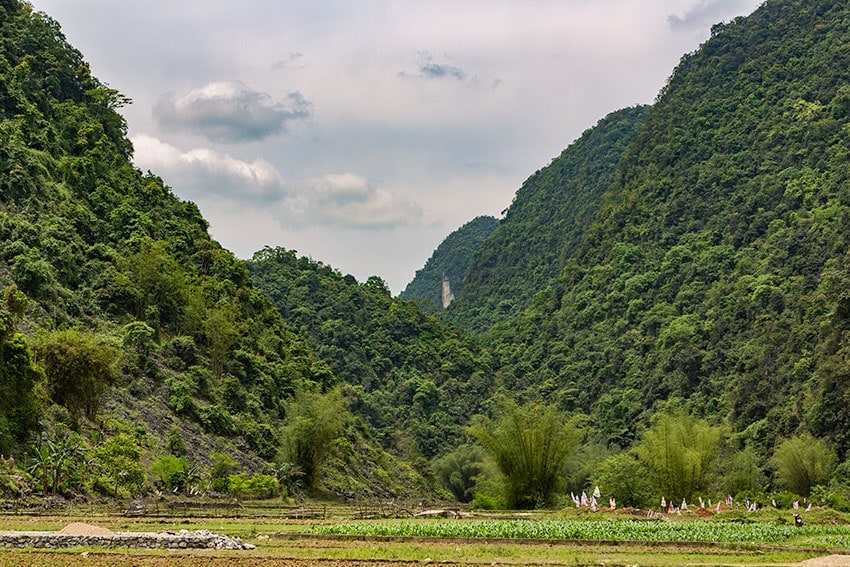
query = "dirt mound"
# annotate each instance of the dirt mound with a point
(828, 561)
(81, 529)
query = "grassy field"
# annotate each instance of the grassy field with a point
(550, 539)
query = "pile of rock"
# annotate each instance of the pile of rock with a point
(84, 535)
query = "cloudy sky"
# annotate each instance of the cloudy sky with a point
(362, 132)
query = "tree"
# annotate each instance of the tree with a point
(79, 367)
(530, 445)
(803, 462)
(222, 332)
(624, 478)
(161, 284)
(222, 465)
(119, 460)
(18, 377)
(172, 471)
(313, 421)
(55, 459)
(458, 471)
(679, 450)
(743, 472)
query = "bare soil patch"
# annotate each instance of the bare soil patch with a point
(82, 529)
(185, 560)
(828, 561)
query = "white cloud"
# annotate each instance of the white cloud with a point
(335, 199)
(347, 200)
(431, 69)
(201, 171)
(229, 111)
(400, 95)
(705, 13)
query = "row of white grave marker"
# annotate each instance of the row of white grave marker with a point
(593, 503)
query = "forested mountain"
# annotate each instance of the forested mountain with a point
(681, 261)
(119, 314)
(90, 243)
(416, 381)
(451, 261)
(543, 226)
(715, 271)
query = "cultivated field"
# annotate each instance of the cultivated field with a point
(319, 536)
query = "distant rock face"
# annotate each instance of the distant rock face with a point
(448, 296)
(450, 260)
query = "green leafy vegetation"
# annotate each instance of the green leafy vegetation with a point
(712, 273)
(313, 422)
(414, 381)
(530, 445)
(680, 452)
(803, 463)
(117, 306)
(450, 261)
(543, 226)
(665, 304)
(622, 530)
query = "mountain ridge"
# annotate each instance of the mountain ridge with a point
(701, 277)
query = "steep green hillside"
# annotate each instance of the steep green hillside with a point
(688, 258)
(450, 260)
(416, 381)
(716, 269)
(544, 224)
(93, 244)
(126, 333)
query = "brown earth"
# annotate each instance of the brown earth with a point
(81, 529)
(44, 559)
(828, 561)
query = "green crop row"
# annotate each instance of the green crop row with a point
(725, 532)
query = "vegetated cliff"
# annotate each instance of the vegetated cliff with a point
(690, 254)
(415, 381)
(92, 244)
(543, 226)
(450, 260)
(119, 314)
(715, 271)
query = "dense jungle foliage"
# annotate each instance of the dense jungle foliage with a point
(715, 270)
(662, 312)
(543, 226)
(416, 381)
(450, 260)
(120, 316)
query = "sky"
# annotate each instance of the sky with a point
(361, 133)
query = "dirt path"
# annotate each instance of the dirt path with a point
(46, 559)
(828, 561)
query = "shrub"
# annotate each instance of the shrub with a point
(831, 497)
(680, 451)
(803, 462)
(530, 445)
(216, 419)
(313, 421)
(625, 479)
(118, 460)
(256, 487)
(221, 467)
(172, 471)
(743, 474)
(458, 471)
(784, 500)
(79, 367)
(174, 442)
